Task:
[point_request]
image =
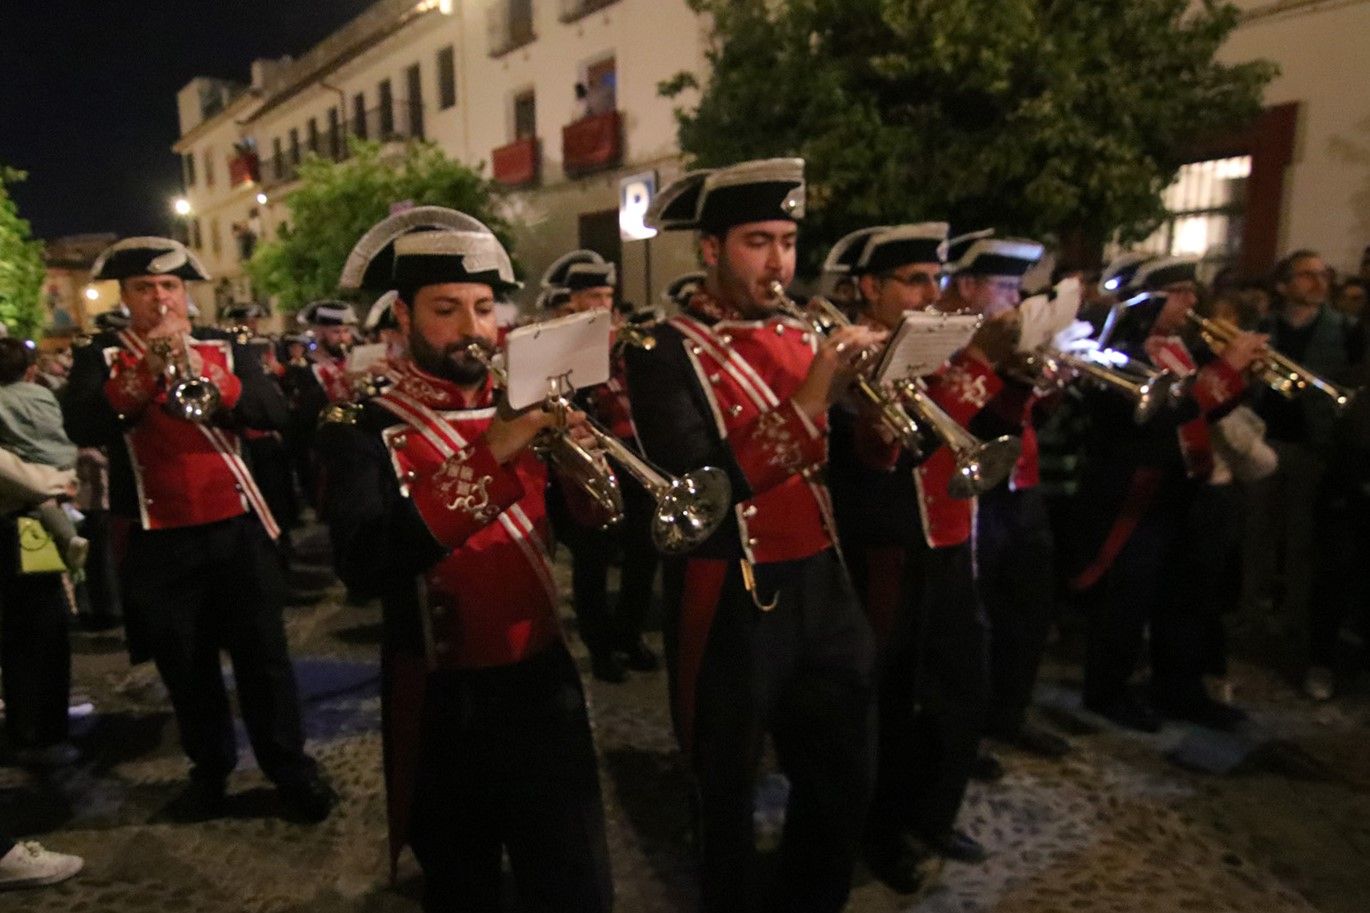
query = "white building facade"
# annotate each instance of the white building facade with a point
(493, 83)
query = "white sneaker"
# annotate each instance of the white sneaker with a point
(28, 865)
(1319, 684)
(78, 549)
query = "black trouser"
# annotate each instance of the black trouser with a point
(933, 691)
(272, 469)
(1014, 553)
(1341, 587)
(99, 594)
(35, 653)
(592, 551)
(193, 591)
(802, 672)
(1155, 579)
(507, 763)
(6, 844)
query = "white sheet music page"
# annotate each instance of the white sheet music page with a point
(1044, 316)
(557, 356)
(362, 357)
(923, 343)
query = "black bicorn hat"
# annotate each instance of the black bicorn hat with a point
(112, 321)
(428, 245)
(550, 299)
(579, 270)
(714, 200)
(981, 254)
(886, 247)
(1156, 273)
(148, 256)
(682, 288)
(240, 312)
(327, 312)
(382, 313)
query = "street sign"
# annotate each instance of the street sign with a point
(635, 194)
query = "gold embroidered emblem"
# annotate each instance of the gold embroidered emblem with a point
(967, 388)
(460, 489)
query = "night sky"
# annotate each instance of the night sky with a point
(88, 95)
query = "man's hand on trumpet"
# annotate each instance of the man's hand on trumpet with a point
(162, 339)
(840, 359)
(510, 433)
(1245, 350)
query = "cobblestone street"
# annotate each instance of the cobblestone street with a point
(1116, 827)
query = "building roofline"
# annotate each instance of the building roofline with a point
(183, 142)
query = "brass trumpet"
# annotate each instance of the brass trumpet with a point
(1148, 391)
(192, 397)
(825, 318)
(689, 508)
(980, 465)
(1279, 372)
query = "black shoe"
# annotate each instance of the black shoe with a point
(608, 668)
(640, 658)
(959, 846)
(202, 800)
(1128, 711)
(986, 768)
(905, 865)
(308, 801)
(1204, 711)
(1034, 739)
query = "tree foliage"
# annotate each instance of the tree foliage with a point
(336, 202)
(21, 265)
(1050, 118)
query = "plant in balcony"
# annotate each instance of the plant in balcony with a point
(21, 265)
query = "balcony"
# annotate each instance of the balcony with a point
(509, 26)
(279, 170)
(244, 168)
(571, 10)
(395, 122)
(517, 164)
(592, 144)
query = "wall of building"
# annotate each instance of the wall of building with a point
(1320, 48)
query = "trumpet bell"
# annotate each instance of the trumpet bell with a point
(690, 509)
(195, 400)
(984, 466)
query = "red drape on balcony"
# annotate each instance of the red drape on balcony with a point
(592, 143)
(243, 168)
(516, 164)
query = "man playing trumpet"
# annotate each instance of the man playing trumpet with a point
(436, 504)
(200, 573)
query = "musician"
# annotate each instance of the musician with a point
(200, 573)
(613, 636)
(436, 504)
(763, 631)
(320, 381)
(1137, 563)
(908, 544)
(681, 289)
(1014, 545)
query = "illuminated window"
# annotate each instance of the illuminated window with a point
(1206, 208)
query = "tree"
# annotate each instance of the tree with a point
(1058, 119)
(336, 202)
(21, 265)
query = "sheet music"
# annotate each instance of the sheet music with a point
(361, 358)
(1045, 316)
(923, 343)
(557, 356)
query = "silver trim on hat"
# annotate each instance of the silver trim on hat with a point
(163, 263)
(438, 220)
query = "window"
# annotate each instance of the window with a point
(188, 170)
(314, 135)
(277, 160)
(601, 81)
(335, 141)
(386, 128)
(413, 78)
(525, 115)
(294, 146)
(209, 168)
(509, 24)
(1206, 213)
(215, 241)
(447, 78)
(359, 115)
(196, 241)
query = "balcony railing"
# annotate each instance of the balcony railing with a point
(592, 144)
(509, 26)
(401, 120)
(517, 164)
(571, 10)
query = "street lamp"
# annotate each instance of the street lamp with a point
(92, 294)
(262, 199)
(181, 206)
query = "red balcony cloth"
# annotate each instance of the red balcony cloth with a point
(517, 163)
(594, 142)
(243, 168)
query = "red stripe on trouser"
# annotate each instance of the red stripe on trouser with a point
(884, 583)
(1145, 483)
(698, 605)
(406, 684)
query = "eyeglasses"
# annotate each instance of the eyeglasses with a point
(1325, 274)
(914, 280)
